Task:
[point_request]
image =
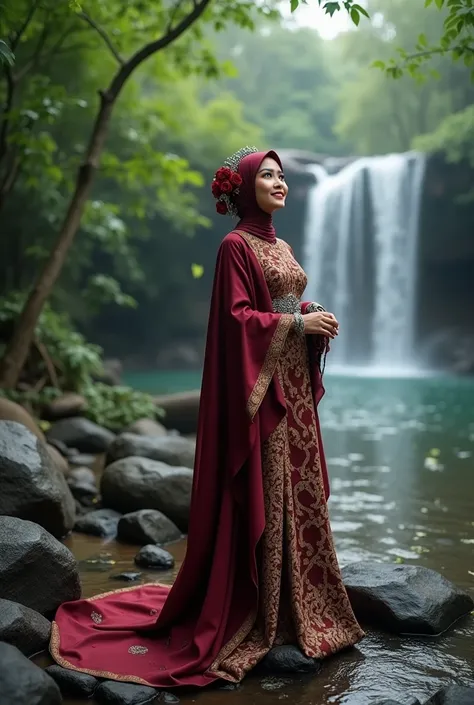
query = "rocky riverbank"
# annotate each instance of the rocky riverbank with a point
(135, 486)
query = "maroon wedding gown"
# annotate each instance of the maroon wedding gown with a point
(260, 568)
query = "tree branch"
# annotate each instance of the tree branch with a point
(104, 36)
(6, 110)
(170, 36)
(15, 41)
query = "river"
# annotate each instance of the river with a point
(401, 459)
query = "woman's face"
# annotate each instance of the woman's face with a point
(270, 186)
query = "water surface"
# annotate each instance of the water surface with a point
(401, 458)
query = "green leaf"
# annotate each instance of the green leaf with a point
(6, 54)
(439, 3)
(378, 65)
(361, 10)
(331, 7)
(355, 16)
(294, 5)
(422, 41)
(197, 270)
(428, 3)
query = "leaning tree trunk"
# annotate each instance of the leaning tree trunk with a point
(18, 347)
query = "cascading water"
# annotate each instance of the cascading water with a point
(361, 241)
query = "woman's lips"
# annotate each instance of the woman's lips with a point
(279, 195)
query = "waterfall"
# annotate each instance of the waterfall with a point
(360, 255)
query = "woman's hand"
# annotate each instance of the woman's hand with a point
(322, 323)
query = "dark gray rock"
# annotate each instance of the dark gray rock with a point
(60, 446)
(32, 486)
(288, 659)
(453, 695)
(102, 522)
(83, 434)
(23, 683)
(404, 598)
(86, 493)
(140, 483)
(115, 693)
(147, 526)
(82, 459)
(81, 474)
(147, 427)
(73, 683)
(36, 570)
(410, 701)
(154, 557)
(127, 577)
(172, 450)
(23, 627)
(65, 406)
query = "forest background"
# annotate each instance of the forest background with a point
(136, 280)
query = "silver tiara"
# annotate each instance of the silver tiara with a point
(234, 161)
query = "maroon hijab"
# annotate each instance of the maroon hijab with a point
(252, 219)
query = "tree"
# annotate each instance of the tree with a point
(172, 24)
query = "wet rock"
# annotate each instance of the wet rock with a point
(23, 683)
(289, 659)
(23, 627)
(147, 526)
(58, 459)
(453, 695)
(115, 693)
(83, 434)
(154, 557)
(172, 450)
(63, 407)
(181, 410)
(81, 474)
(73, 684)
(140, 483)
(410, 701)
(147, 427)
(404, 598)
(102, 522)
(32, 486)
(36, 570)
(127, 577)
(82, 460)
(10, 411)
(84, 492)
(60, 446)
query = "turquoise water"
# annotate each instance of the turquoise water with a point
(401, 461)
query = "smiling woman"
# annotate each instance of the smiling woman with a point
(260, 569)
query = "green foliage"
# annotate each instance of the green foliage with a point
(330, 8)
(77, 364)
(119, 406)
(6, 54)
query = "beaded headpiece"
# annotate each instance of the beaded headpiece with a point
(226, 182)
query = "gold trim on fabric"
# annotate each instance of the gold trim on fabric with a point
(268, 368)
(231, 645)
(55, 644)
(279, 337)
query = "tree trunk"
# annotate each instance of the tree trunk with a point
(18, 347)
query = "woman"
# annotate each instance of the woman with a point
(260, 568)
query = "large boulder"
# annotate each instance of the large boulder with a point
(73, 684)
(147, 526)
(23, 683)
(82, 434)
(140, 483)
(404, 598)
(35, 569)
(117, 693)
(172, 450)
(23, 627)
(10, 411)
(32, 485)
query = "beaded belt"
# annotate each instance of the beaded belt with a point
(287, 304)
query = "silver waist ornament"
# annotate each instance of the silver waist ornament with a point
(291, 304)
